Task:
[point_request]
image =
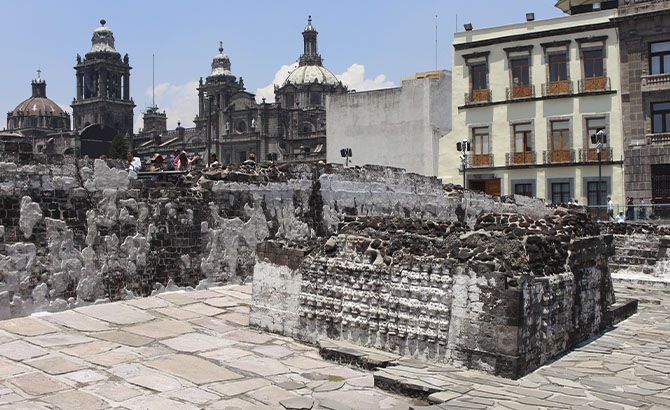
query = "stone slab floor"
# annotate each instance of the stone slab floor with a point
(190, 350)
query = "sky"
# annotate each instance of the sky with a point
(367, 44)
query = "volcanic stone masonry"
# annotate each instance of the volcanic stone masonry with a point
(76, 231)
(504, 295)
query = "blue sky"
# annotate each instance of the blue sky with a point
(383, 40)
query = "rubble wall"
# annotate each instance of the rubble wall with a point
(504, 296)
(75, 231)
(640, 249)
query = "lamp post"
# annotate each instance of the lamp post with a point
(600, 139)
(210, 98)
(463, 147)
(346, 154)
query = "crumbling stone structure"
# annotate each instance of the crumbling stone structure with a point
(504, 295)
(640, 249)
(75, 231)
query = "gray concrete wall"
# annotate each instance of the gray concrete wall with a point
(397, 127)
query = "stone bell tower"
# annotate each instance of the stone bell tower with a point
(103, 87)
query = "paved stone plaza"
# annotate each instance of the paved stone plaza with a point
(189, 350)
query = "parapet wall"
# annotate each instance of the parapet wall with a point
(74, 231)
(504, 296)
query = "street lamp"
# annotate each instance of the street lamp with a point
(346, 154)
(463, 147)
(600, 139)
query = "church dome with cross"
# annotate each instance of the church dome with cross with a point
(38, 111)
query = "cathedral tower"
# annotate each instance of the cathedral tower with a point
(103, 88)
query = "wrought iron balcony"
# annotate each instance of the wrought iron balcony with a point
(591, 154)
(478, 97)
(557, 88)
(658, 82)
(520, 92)
(520, 158)
(480, 160)
(594, 84)
(559, 156)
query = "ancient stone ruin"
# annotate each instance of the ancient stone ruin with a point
(76, 231)
(372, 256)
(505, 295)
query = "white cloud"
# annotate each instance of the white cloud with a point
(180, 102)
(268, 92)
(353, 77)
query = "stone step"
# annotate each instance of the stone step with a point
(620, 311)
(349, 353)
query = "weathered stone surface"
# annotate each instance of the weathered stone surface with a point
(20, 350)
(72, 399)
(37, 384)
(115, 391)
(27, 326)
(119, 315)
(77, 321)
(234, 388)
(195, 342)
(193, 369)
(55, 364)
(297, 403)
(124, 338)
(160, 329)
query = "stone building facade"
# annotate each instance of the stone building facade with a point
(293, 128)
(40, 123)
(399, 127)
(528, 97)
(644, 35)
(102, 107)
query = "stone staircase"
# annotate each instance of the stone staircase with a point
(638, 253)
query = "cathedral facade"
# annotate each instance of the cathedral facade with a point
(233, 124)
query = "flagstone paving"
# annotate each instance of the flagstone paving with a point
(193, 350)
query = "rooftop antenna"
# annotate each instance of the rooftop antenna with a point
(436, 42)
(456, 27)
(39, 74)
(153, 80)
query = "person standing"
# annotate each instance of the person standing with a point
(610, 208)
(630, 209)
(642, 213)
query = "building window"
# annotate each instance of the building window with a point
(523, 189)
(480, 147)
(659, 59)
(560, 135)
(521, 77)
(594, 197)
(558, 67)
(522, 137)
(560, 192)
(479, 81)
(660, 117)
(315, 98)
(241, 126)
(290, 101)
(593, 125)
(593, 63)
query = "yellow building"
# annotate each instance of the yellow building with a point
(528, 97)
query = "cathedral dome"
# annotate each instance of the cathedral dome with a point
(103, 39)
(221, 63)
(309, 74)
(38, 104)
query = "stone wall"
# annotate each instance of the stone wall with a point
(505, 295)
(640, 248)
(74, 231)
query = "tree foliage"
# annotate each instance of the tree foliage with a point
(119, 147)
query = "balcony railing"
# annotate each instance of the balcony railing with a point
(559, 156)
(557, 88)
(520, 158)
(481, 160)
(591, 154)
(594, 84)
(658, 82)
(660, 138)
(478, 97)
(520, 92)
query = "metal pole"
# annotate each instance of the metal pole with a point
(600, 174)
(209, 128)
